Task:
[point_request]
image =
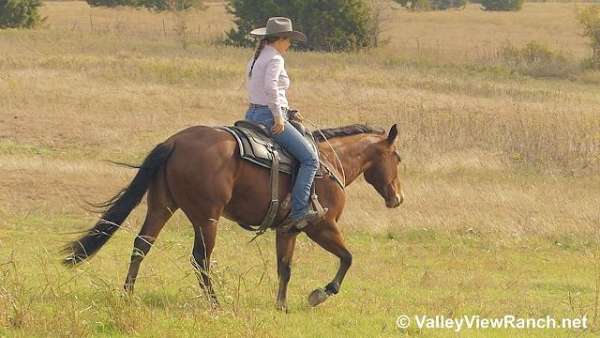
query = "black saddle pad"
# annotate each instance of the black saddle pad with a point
(256, 147)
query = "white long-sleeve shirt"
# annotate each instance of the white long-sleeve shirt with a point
(269, 81)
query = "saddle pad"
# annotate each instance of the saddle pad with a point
(255, 147)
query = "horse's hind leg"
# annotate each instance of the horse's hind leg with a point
(160, 209)
(205, 231)
(328, 236)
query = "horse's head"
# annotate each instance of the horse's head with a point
(382, 174)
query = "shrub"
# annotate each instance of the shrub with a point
(537, 60)
(109, 3)
(432, 5)
(447, 4)
(590, 20)
(19, 13)
(156, 5)
(164, 5)
(330, 25)
(501, 5)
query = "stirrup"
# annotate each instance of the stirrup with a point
(312, 217)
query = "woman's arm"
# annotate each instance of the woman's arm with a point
(273, 71)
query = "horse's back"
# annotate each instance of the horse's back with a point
(200, 151)
(205, 141)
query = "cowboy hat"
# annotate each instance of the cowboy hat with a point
(279, 26)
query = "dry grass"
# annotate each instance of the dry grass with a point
(473, 34)
(81, 94)
(77, 16)
(501, 173)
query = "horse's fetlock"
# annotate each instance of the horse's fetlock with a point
(332, 288)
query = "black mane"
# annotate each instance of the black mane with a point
(321, 134)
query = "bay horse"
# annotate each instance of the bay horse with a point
(199, 171)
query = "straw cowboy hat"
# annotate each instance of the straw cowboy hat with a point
(279, 26)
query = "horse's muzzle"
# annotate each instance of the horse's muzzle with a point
(395, 202)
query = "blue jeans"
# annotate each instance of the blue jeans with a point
(301, 149)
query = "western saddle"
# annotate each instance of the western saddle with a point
(257, 146)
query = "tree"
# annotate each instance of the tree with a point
(155, 5)
(329, 25)
(19, 13)
(432, 5)
(501, 5)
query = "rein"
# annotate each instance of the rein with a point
(334, 152)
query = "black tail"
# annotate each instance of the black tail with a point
(118, 207)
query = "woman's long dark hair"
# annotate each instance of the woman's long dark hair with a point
(263, 42)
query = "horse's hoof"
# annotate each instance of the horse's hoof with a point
(128, 288)
(317, 297)
(214, 304)
(282, 307)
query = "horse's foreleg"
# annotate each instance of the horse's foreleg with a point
(285, 243)
(328, 236)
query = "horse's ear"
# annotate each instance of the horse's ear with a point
(392, 134)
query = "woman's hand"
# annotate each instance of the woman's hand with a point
(278, 125)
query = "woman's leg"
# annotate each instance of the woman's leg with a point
(304, 152)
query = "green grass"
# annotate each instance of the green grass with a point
(412, 272)
(10, 147)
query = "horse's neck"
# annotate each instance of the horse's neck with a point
(355, 154)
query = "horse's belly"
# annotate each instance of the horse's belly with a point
(251, 194)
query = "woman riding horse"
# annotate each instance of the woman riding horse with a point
(199, 170)
(267, 84)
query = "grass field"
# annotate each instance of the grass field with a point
(500, 174)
